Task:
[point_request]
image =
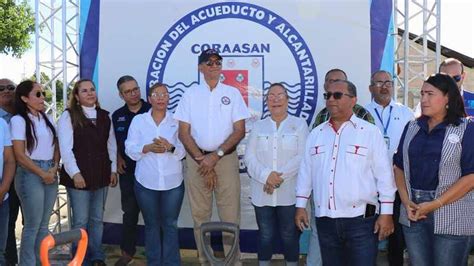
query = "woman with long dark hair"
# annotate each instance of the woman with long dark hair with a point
(434, 172)
(36, 150)
(89, 151)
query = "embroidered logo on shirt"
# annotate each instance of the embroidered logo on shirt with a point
(357, 150)
(225, 100)
(317, 150)
(121, 119)
(453, 138)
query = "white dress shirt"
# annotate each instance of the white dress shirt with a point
(211, 114)
(44, 145)
(157, 171)
(66, 141)
(346, 170)
(275, 149)
(391, 121)
(6, 141)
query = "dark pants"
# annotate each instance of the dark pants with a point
(396, 241)
(347, 241)
(271, 220)
(130, 214)
(11, 253)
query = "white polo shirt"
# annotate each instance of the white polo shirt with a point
(346, 170)
(391, 121)
(211, 114)
(44, 148)
(275, 149)
(6, 141)
(156, 171)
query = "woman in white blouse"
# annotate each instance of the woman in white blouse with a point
(273, 155)
(153, 142)
(89, 151)
(36, 150)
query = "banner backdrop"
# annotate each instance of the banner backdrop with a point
(293, 42)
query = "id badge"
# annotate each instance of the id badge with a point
(387, 141)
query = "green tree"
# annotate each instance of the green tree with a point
(16, 24)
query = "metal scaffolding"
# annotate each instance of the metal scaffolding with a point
(57, 65)
(412, 56)
(57, 49)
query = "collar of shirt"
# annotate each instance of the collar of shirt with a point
(423, 123)
(352, 121)
(149, 118)
(144, 108)
(208, 88)
(90, 112)
(378, 106)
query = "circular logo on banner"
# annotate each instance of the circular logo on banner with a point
(258, 46)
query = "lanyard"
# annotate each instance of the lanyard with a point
(385, 127)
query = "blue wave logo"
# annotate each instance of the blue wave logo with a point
(176, 91)
(294, 96)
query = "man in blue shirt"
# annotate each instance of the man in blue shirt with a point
(455, 69)
(121, 119)
(7, 164)
(7, 109)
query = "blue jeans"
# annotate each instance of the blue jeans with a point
(277, 219)
(347, 241)
(314, 251)
(37, 201)
(87, 213)
(160, 210)
(427, 248)
(4, 211)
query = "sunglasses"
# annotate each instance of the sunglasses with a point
(337, 95)
(212, 63)
(40, 93)
(457, 78)
(7, 87)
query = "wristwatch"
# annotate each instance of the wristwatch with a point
(171, 149)
(220, 152)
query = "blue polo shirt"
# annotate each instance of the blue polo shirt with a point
(425, 154)
(468, 102)
(121, 120)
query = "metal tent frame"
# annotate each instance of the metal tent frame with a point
(57, 49)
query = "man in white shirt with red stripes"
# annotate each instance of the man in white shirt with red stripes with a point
(346, 165)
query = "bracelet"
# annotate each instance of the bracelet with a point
(440, 203)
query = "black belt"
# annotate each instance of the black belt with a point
(204, 152)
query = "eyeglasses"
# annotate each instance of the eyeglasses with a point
(159, 95)
(279, 96)
(129, 92)
(457, 78)
(337, 95)
(7, 87)
(40, 93)
(380, 84)
(211, 63)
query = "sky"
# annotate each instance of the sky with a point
(457, 33)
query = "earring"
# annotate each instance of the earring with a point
(447, 106)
